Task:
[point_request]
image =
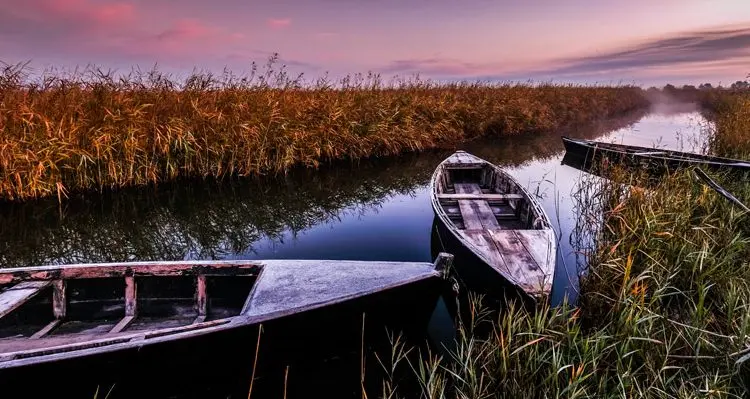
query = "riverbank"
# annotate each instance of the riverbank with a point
(69, 134)
(663, 308)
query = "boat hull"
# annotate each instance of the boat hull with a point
(314, 344)
(591, 155)
(502, 248)
(473, 273)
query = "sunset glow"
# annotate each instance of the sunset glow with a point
(635, 41)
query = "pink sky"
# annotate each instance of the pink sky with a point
(630, 41)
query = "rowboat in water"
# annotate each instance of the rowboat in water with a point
(590, 153)
(118, 319)
(498, 221)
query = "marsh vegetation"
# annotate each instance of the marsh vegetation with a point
(663, 309)
(663, 303)
(65, 133)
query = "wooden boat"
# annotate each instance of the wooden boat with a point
(74, 314)
(497, 220)
(591, 152)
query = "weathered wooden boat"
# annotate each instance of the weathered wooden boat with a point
(116, 320)
(591, 153)
(488, 212)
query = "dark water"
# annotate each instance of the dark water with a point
(375, 210)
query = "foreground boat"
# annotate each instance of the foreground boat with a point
(497, 220)
(589, 153)
(124, 317)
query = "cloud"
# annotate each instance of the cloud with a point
(76, 16)
(716, 52)
(278, 23)
(187, 29)
(113, 13)
(687, 49)
(437, 66)
(87, 29)
(263, 56)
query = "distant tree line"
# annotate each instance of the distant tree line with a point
(670, 88)
(690, 93)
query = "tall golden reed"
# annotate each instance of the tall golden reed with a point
(94, 130)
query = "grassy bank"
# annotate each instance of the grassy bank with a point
(663, 310)
(93, 130)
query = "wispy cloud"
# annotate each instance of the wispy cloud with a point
(263, 56)
(278, 23)
(717, 52)
(718, 46)
(442, 67)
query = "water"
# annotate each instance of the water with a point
(375, 210)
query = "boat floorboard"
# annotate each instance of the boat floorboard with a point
(476, 213)
(517, 254)
(495, 222)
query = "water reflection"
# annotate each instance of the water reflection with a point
(375, 210)
(565, 191)
(198, 220)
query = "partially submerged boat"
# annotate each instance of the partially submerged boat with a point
(489, 213)
(56, 316)
(590, 153)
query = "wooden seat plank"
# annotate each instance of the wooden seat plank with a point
(487, 197)
(467, 188)
(15, 296)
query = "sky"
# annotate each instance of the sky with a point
(643, 42)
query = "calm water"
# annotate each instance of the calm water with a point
(377, 210)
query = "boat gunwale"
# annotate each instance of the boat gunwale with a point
(551, 243)
(669, 154)
(151, 337)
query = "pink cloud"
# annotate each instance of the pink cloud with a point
(114, 13)
(278, 23)
(84, 13)
(185, 37)
(186, 29)
(118, 27)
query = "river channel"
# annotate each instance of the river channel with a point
(374, 210)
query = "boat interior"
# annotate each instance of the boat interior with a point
(488, 209)
(476, 196)
(38, 313)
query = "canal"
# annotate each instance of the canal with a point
(373, 210)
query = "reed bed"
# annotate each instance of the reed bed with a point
(664, 303)
(94, 130)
